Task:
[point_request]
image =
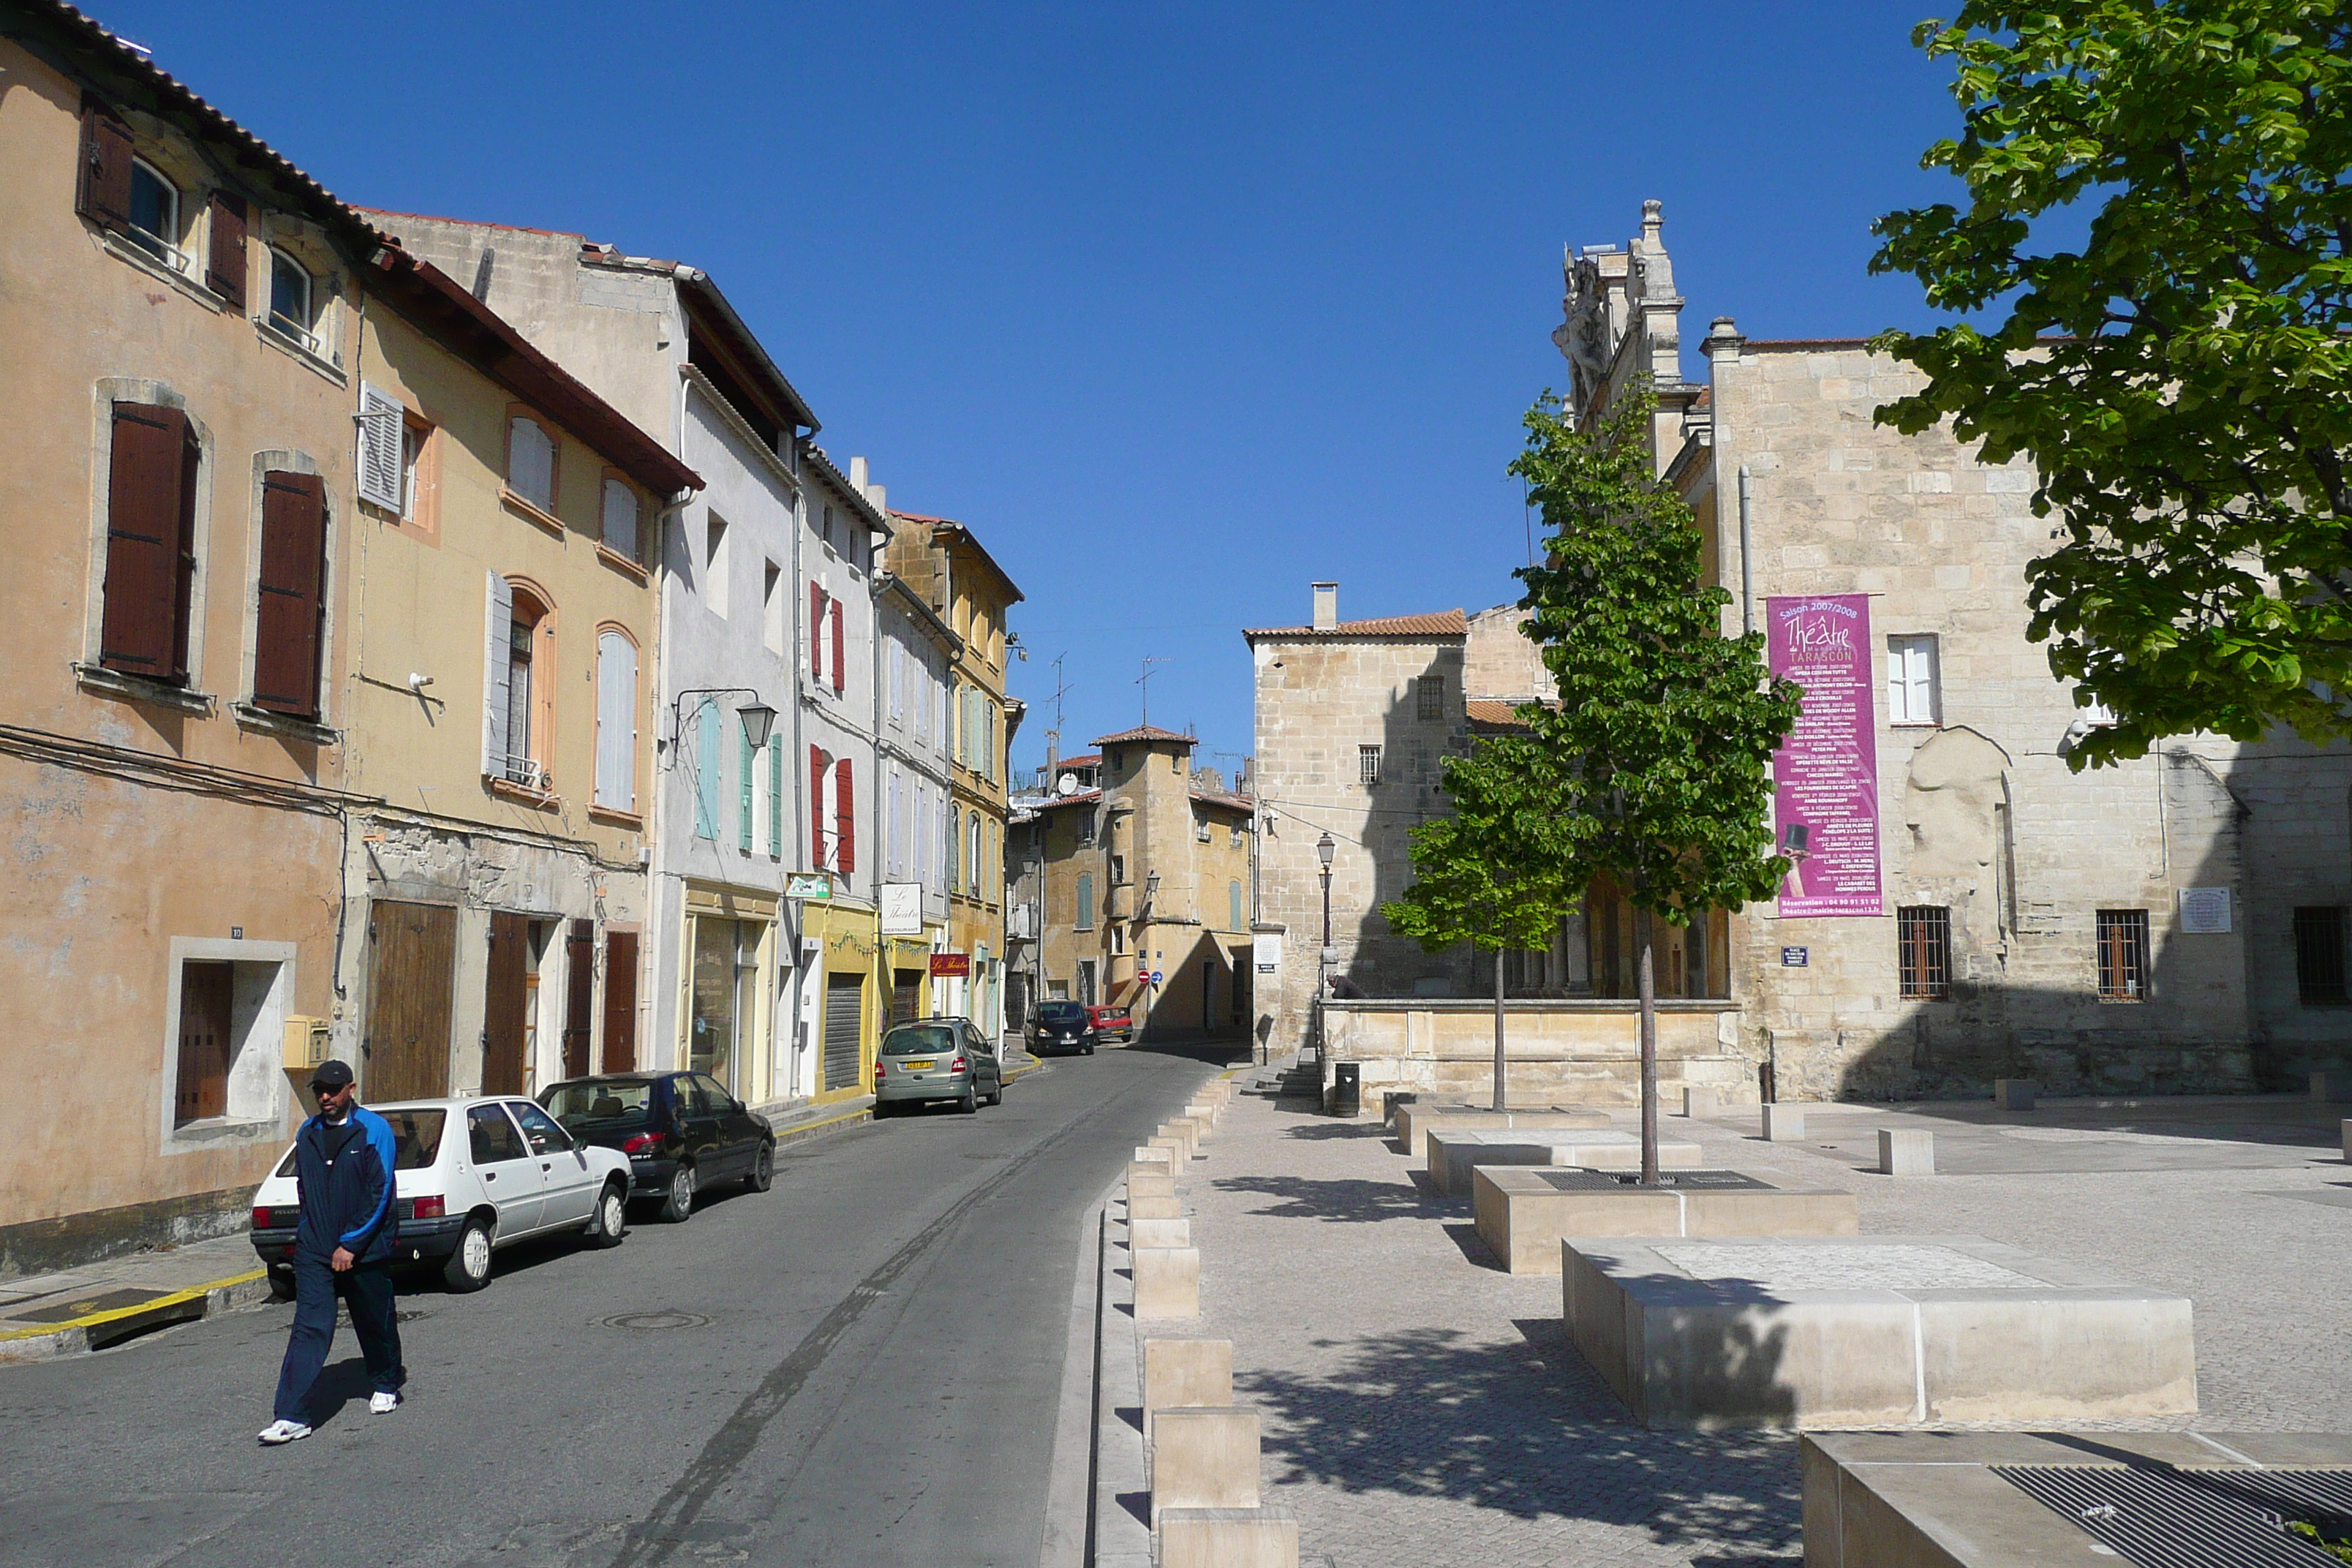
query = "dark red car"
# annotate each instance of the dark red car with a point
(1111, 1021)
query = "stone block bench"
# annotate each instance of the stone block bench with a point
(1523, 1212)
(1455, 1153)
(1415, 1121)
(1869, 1331)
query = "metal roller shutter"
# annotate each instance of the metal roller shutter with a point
(844, 998)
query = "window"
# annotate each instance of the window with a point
(1087, 826)
(709, 767)
(894, 829)
(624, 511)
(1118, 939)
(1200, 830)
(616, 721)
(1912, 694)
(1232, 906)
(530, 462)
(2123, 955)
(153, 468)
(1923, 942)
(543, 1132)
(289, 301)
(290, 623)
(490, 1138)
(844, 815)
(819, 790)
(950, 834)
(387, 456)
(714, 563)
(775, 798)
(207, 997)
(1367, 764)
(1235, 841)
(1176, 763)
(1118, 870)
(1430, 698)
(224, 249)
(156, 215)
(522, 636)
(972, 869)
(2319, 956)
(747, 763)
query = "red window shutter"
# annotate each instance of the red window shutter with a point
(142, 630)
(816, 807)
(846, 808)
(816, 632)
(293, 581)
(103, 194)
(840, 660)
(225, 274)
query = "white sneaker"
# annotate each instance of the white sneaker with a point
(278, 1432)
(382, 1404)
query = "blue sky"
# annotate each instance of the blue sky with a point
(1181, 307)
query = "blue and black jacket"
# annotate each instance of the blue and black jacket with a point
(345, 1177)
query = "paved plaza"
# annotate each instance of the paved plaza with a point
(1420, 1407)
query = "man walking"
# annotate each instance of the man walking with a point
(343, 1165)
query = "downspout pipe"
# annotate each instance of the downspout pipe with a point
(1747, 561)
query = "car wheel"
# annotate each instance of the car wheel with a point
(281, 1285)
(678, 1207)
(612, 1215)
(970, 1103)
(1090, 1050)
(763, 1170)
(996, 1095)
(468, 1269)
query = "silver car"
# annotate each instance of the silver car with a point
(937, 1059)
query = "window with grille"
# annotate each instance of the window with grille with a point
(2123, 955)
(1367, 764)
(2319, 955)
(1923, 939)
(1430, 691)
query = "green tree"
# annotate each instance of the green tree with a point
(2183, 377)
(1493, 873)
(1659, 753)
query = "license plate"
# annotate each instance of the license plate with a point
(917, 1067)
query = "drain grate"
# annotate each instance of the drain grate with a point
(1589, 1181)
(2168, 1519)
(655, 1322)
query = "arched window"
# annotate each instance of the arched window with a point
(616, 721)
(156, 215)
(972, 871)
(518, 685)
(290, 299)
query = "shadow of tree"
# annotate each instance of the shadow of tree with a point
(1326, 1131)
(1529, 1429)
(1346, 1200)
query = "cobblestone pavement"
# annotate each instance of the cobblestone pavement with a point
(1422, 1408)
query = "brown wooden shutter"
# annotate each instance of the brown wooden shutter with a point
(620, 1001)
(224, 276)
(579, 994)
(290, 629)
(840, 655)
(846, 814)
(149, 497)
(817, 771)
(103, 195)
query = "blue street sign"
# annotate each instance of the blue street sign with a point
(1155, 977)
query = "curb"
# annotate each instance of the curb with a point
(99, 1330)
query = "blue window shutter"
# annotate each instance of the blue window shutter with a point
(1232, 906)
(743, 775)
(775, 798)
(709, 765)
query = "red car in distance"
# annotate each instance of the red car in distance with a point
(1111, 1021)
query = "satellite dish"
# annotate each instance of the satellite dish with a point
(1067, 785)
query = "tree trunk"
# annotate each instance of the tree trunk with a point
(1502, 1102)
(1648, 987)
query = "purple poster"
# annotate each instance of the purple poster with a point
(1825, 775)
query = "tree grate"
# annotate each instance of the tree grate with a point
(2159, 1516)
(1593, 1181)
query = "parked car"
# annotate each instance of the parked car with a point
(937, 1059)
(1112, 1022)
(469, 1176)
(1061, 1026)
(682, 1133)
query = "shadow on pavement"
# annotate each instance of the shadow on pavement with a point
(1530, 1430)
(1326, 1131)
(1347, 1200)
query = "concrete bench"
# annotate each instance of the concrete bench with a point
(1784, 1124)
(1870, 1330)
(1414, 1121)
(1523, 1212)
(1167, 1281)
(1905, 1152)
(1204, 1456)
(1228, 1538)
(1185, 1372)
(1453, 1154)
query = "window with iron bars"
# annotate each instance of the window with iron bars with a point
(2319, 955)
(1367, 764)
(1923, 939)
(2123, 955)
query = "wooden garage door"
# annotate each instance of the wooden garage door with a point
(506, 1011)
(412, 962)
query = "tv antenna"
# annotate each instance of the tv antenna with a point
(1144, 680)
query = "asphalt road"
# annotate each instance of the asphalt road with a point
(864, 1368)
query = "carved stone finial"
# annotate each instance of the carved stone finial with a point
(1653, 215)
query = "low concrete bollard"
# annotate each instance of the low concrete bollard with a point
(1147, 1154)
(2331, 1088)
(1784, 1124)
(1228, 1538)
(1185, 1372)
(1180, 1154)
(1154, 1205)
(2014, 1093)
(1204, 1456)
(1167, 1281)
(1142, 1232)
(1149, 1181)
(1184, 1132)
(1702, 1101)
(1906, 1153)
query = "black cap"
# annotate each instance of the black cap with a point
(330, 1074)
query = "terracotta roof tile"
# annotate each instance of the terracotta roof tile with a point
(1143, 732)
(1440, 624)
(1497, 715)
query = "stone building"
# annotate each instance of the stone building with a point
(1141, 867)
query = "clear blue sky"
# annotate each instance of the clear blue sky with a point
(1179, 306)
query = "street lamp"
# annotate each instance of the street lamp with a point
(1324, 850)
(758, 718)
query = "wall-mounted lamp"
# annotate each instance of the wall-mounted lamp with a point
(758, 720)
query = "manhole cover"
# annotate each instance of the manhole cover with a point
(654, 1320)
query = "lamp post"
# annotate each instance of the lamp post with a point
(1324, 850)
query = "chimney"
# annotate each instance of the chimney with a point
(879, 496)
(857, 475)
(1327, 607)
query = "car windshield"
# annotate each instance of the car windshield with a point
(919, 1039)
(1062, 1013)
(592, 1102)
(415, 1139)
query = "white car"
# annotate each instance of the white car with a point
(471, 1175)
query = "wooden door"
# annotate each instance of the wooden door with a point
(620, 1001)
(579, 996)
(412, 972)
(505, 1013)
(207, 990)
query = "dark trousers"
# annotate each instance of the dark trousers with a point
(368, 1288)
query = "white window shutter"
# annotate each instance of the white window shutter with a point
(381, 428)
(616, 723)
(498, 676)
